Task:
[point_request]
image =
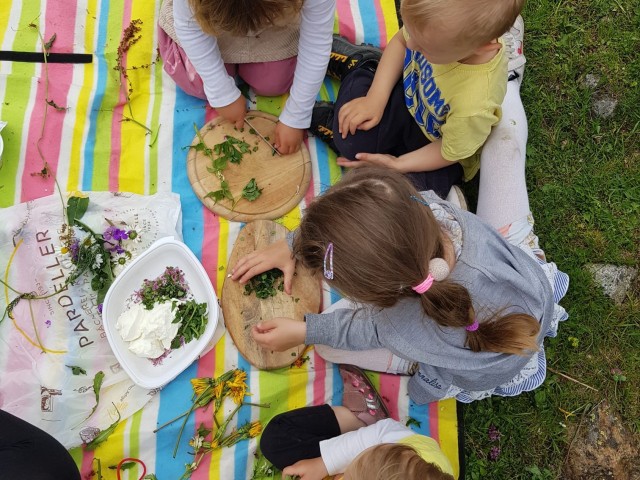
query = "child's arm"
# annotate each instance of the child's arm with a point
(365, 112)
(424, 159)
(314, 49)
(203, 53)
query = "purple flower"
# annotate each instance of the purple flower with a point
(114, 233)
(100, 308)
(494, 453)
(493, 433)
(74, 248)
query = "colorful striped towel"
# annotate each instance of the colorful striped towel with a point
(87, 146)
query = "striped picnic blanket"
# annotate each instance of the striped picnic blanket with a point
(88, 147)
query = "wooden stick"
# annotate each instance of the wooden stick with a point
(572, 379)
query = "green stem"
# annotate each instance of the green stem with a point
(131, 119)
(186, 417)
(170, 422)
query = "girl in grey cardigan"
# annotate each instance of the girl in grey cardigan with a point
(438, 293)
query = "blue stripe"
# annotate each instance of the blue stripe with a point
(241, 453)
(176, 397)
(420, 413)
(369, 22)
(90, 143)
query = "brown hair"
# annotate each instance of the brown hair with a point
(389, 461)
(478, 21)
(239, 17)
(383, 241)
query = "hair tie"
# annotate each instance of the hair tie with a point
(424, 286)
(473, 327)
(438, 271)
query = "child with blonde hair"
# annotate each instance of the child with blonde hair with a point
(438, 294)
(428, 105)
(356, 439)
(273, 45)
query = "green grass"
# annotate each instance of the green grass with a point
(583, 174)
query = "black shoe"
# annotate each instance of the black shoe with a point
(345, 56)
(322, 122)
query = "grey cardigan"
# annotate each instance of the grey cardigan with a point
(499, 277)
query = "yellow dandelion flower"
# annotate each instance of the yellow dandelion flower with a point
(200, 384)
(255, 429)
(217, 390)
(238, 394)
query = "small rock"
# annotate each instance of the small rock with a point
(591, 80)
(602, 449)
(614, 280)
(604, 106)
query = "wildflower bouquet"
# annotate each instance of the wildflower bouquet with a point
(206, 390)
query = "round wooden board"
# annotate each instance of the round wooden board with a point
(284, 180)
(242, 312)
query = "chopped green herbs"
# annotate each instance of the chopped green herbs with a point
(193, 321)
(171, 285)
(77, 370)
(266, 284)
(251, 191)
(231, 150)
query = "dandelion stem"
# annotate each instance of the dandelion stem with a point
(170, 422)
(186, 417)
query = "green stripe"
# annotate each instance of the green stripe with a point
(14, 104)
(274, 389)
(134, 438)
(103, 148)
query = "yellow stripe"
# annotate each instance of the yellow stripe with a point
(82, 105)
(223, 251)
(112, 451)
(390, 17)
(448, 432)
(134, 139)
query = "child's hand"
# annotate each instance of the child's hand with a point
(364, 159)
(279, 334)
(288, 139)
(276, 255)
(234, 112)
(312, 469)
(361, 113)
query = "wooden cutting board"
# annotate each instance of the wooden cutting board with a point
(242, 312)
(284, 180)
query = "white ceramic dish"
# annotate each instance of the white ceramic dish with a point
(149, 265)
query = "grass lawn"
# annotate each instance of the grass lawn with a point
(583, 173)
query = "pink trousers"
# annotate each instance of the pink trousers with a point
(265, 78)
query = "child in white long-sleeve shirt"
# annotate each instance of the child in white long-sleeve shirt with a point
(272, 45)
(354, 439)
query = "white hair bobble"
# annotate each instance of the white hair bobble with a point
(439, 269)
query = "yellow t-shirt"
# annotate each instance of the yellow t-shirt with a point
(429, 450)
(456, 102)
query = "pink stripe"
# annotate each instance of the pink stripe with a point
(347, 27)
(62, 23)
(118, 110)
(433, 421)
(319, 380)
(382, 27)
(86, 468)
(389, 389)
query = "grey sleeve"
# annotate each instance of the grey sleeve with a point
(344, 329)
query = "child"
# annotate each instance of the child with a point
(356, 439)
(430, 103)
(441, 295)
(204, 43)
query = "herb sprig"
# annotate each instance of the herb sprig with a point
(193, 321)
(266, 285)
(251, 191)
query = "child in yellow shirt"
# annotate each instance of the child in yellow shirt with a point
(431, 101)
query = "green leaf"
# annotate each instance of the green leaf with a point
(104, 434)
(47, 46)
(150, 476)
(251, 191)
(97, 384)
(76, 208)
(124, 466)
(413, 421)
(77, 370)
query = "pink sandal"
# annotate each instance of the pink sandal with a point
(360, 397)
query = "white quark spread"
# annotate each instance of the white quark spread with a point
(148, 333)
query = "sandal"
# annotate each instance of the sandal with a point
(360, 397)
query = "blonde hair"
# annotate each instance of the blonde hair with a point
(478, 21)
(240, 17)
(389, 461)
(382, 244)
